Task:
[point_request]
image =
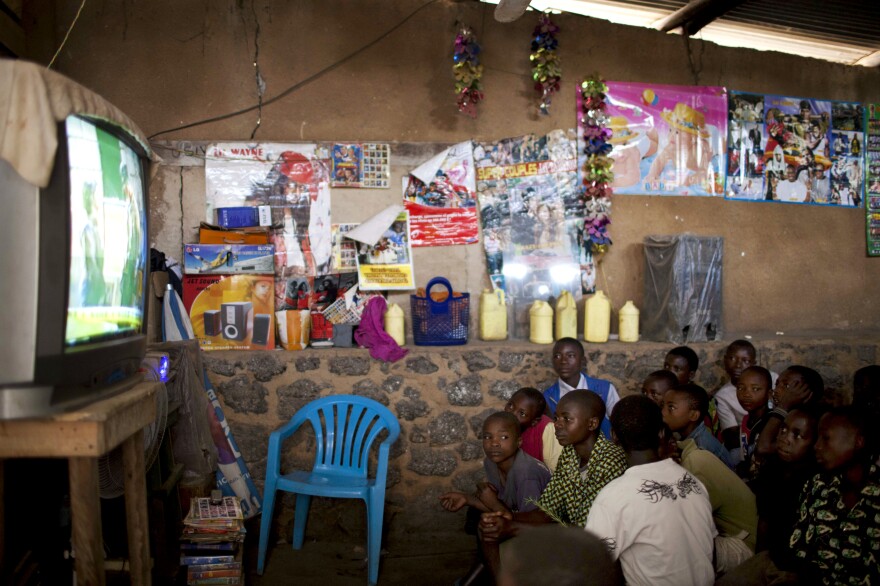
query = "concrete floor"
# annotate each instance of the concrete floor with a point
(438, 558)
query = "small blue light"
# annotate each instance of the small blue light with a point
(163, 369)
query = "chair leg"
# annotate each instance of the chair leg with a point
(265, 526)
(375, 512)
(299, 519)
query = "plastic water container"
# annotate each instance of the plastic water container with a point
(597, 318)
(541, 323)
(566, 316)
(394, 324)
(493, 315)
(628, 329)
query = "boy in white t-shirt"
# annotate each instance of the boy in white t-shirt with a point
(656, 519)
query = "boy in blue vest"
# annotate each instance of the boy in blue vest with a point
(569, 364)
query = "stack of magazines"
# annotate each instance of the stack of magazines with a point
(211, 546)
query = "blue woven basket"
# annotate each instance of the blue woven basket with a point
(440, 323)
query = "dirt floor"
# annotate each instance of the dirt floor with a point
(412, 559)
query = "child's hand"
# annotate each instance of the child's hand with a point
(791, 395)
(453, 501)
(495, 525)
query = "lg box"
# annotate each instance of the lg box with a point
(231, 312)
(228, 259)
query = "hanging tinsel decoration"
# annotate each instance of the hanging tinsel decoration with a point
(596, 170)
(468, 71)
(546, 70)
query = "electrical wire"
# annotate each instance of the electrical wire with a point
(69, 29)
(302, 83)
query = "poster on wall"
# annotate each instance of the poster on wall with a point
(872, 204)
(387, 265)
(667, 140)
(344, 250)
(533, 217)
(364, 165)
(795, 150)
(441, 200)
(293, 182)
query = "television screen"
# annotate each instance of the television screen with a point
(108, 255)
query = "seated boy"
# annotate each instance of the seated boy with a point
(683, 363)
(569, 363)
(733, 505)
(657, 384)
(684, 410)
(836, 538)
(528, 406)
(588, 462)
(796, 386)
(561, 556)
(656, 518)
(753, 394)
(515, 479)
(740, 355)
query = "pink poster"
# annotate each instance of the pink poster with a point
(667, 140)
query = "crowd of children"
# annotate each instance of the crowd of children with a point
(762, 482)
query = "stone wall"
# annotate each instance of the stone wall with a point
(441, 396)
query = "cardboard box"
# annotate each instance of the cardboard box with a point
(210, 234)
(238, 217)
(228, 259)
(231, 312)
(294, 328)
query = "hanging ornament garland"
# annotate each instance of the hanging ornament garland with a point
(546, 70)
(596, 171)
(468, 71)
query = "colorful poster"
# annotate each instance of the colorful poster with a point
(668, 140)
(795, 150)
(872, 204)
(388, 264)
(440, 196)
(533, 218)
(361, 165)
(293, 182)
(344, 250)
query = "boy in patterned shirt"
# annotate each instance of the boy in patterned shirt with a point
(836, 539)
(588, 462)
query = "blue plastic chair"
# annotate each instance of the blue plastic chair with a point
(346, 426)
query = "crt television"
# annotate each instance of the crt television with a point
(73, 264)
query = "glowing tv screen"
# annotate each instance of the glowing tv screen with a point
(107, 237)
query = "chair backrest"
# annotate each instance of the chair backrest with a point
(345, 428)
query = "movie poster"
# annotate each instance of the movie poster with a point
(532, 217)
(293, 182)
(361, 165)
(387, 265)
(872, 206)
(795, 150)
(441, 200)
(344, 250)
(667, 140)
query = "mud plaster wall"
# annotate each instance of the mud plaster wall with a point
(167, 63)
(441, 396)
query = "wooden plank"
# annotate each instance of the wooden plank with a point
(137, 522)
(87, 533)
(90, 431)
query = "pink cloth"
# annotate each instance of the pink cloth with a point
(533, 439)
(371, 333)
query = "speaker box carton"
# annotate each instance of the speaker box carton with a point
(231, 312)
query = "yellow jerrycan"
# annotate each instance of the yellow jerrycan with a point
(541, 323)
(394, 324)
(493, 315)
(566, 316)
(628, 328)
(597, 318)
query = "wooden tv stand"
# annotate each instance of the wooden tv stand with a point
(82, 436)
